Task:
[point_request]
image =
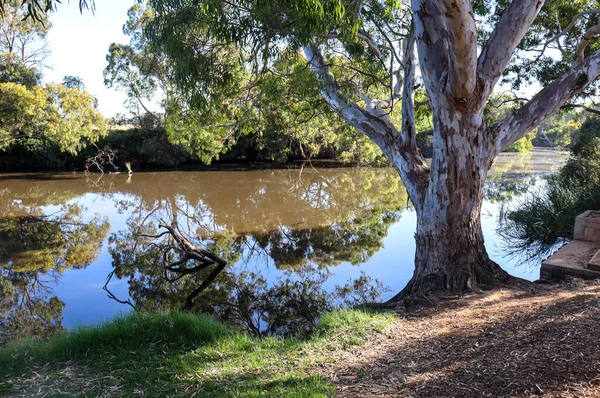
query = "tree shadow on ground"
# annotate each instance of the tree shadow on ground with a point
(504, 345)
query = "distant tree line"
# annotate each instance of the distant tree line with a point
(288, 119)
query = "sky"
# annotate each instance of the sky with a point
(79, 44)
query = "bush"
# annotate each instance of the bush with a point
(542, 220)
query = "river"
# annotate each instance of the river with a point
(61, 236)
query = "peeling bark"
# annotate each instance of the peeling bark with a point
(374, 123)
(463, 48)
(450, 252)
(587, 38)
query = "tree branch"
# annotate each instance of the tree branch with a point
(548, 100)
(364, 36)
(463, 54)
(501, 45)
(418, 170)
(374, 123)
(432, 46)
(585, 41)
(447, 39)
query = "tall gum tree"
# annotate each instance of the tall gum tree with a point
(461, 61)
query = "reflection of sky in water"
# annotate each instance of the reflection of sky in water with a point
(86, 302)
(81, 290)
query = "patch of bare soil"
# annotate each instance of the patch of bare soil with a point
(543, 341)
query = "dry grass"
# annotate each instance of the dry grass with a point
(544, 342)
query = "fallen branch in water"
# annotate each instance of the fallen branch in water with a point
(186, 253)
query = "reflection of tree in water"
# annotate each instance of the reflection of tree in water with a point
(34, 251)
(302, 224)
(504, 188)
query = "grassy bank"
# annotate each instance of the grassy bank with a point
(179, 354)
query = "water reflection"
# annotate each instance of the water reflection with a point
(286, 234)
(35, 250)
(297, 221)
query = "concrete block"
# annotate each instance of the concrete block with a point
(587, 226)
(594, 263)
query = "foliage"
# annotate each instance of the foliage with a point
(146, 147)
(22, 39)
(73, 82)
(53, 112)
(284, 118)
(561, 129)
(293, 121)
(545, 67)
(523, 144)
(135, 68)
(34, 153)
(425, 143)
(20, 111)
(32, 115)
(16, 71)
(501, 106)
(586, 145)
(547, 217)
(72, 118)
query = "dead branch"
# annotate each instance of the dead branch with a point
(104, 157)
(188, 258)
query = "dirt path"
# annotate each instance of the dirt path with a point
(543, 343)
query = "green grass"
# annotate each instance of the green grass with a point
(180, 354)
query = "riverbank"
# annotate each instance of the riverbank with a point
(541, 341)
(180, 354)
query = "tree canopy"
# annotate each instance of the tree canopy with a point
(363, 57)
(61, 113)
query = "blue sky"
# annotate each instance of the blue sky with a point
(79, 44)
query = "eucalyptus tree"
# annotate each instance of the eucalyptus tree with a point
(22, 45)
(464, 49)
(135, 68)
(23, 39)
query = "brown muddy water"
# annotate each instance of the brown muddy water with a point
(61, 236)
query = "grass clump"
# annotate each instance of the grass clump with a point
(181, 354)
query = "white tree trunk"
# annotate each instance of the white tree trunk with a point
(450, 252)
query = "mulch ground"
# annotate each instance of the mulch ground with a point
(535, 341)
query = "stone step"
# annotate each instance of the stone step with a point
(587, 226)
(594, 263)
(573, 259)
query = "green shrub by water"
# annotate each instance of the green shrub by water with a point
(546, 218)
